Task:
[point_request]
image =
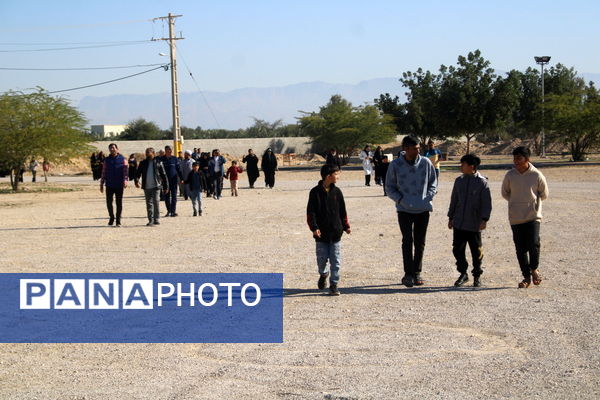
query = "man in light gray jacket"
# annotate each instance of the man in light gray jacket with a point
(411, 182)
(469, 211)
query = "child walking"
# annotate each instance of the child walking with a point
(469, 211)
(327, 220)
(233, 176)
(196, 182)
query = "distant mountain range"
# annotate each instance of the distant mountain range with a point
(235, 109)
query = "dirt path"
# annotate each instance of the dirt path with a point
(377, 340)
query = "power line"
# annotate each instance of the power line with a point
(77, 69)
(78, 47)
(200, 90)
(68, 43)
(165, 67)
(60, 27)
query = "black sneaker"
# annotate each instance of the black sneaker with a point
(174, 214)
(111, 220)
(195, 213)
(408, 281)
(199, 213)
(156, 222)
(149, 223)
(462, 279)
(322, 281)
(168, 214)
(476, 281)
(333, 290)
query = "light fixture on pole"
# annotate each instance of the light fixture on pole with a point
(543, 60)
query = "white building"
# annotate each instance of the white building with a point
(104, 131)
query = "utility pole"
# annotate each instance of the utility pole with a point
(543, 60)
(177, 139)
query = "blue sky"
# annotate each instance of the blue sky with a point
(236, 44)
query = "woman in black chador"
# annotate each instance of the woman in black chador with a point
(251, 161)
(269, 166)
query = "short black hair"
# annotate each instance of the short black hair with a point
(113, 144)
(328, 169)
(168, 148)
(409, 141)
(471, 159)
(522, 151)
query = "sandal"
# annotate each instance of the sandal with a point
(524, 284)
(536, 277)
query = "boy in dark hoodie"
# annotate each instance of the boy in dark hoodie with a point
(469, 211)
(327, 220)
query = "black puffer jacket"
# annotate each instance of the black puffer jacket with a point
(326, 211)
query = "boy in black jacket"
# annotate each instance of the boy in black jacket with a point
(469, 211)
(196, 182)
(327, 219)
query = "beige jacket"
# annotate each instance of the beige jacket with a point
(524, 193)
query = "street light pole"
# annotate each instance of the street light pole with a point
(543, 60)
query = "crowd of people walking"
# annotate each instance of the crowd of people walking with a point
(165, 177)
(411, 181)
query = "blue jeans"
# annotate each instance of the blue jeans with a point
(196, 197)
(333, 253)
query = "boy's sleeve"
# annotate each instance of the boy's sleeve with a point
(506, 187)
(125, 171)
(432, 184)
(486, 202)
(343, 214)
(453, 200)
(543, 188)
(311, 211)
(391, 186)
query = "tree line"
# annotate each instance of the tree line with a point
(140, 129)
(471, 100)
(467, 99)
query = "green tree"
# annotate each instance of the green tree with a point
(39, 125)
(140, 129)
(469, 100)
(346, 128)
(394, 108)
(575, 120)
(422, 113)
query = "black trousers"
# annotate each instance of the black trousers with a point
(269, 178)
(118, 194)
(171, 195)
(459, 244)
(367, 180)
(414, 230)
(527, 244)
(252, 177)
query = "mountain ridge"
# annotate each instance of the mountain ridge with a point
(236, 109)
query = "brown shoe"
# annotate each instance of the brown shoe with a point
(525, 283)
(536, 277)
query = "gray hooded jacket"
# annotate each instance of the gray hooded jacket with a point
(470, 203)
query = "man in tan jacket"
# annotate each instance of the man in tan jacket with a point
(525, 187)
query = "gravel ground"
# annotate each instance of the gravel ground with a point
(377, 340)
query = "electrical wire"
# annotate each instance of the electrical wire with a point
(68, 43)
(200, 90)
(164, 66)
(77, 69)
(60, 27)
(78, 47)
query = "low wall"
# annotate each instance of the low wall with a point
(233, 147)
